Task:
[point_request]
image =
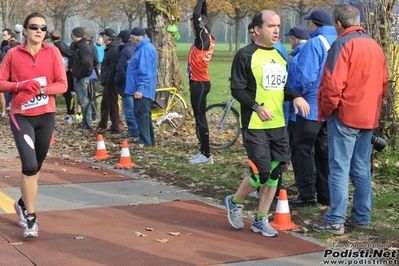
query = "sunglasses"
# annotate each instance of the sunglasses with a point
(37, 26)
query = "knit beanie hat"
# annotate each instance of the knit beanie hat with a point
(78, 32)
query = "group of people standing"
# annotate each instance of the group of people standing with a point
(336, 92)
(115, 67)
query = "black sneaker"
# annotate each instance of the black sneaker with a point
(335, 229)
(353, 223)
(303, 202)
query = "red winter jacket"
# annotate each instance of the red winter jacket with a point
(19, 65)
(354, 80)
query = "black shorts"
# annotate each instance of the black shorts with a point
(266, 145)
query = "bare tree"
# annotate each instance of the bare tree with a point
(60, 11)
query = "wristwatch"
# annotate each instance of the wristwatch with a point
(41, 91)
(255, 107)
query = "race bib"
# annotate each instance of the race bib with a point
(274, 76)
(38, 100)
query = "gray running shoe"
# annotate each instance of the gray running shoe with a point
(202, 159)
(195, 156)
(21, 212)
(351, 222)
(234, 212)
(263, 226)
(32, 228)
(335, 229)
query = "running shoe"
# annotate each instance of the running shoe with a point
(263, 226)
(79, 117)
(68, 119)
(21, 212)
(335, 229)
(195, 156)
(202, 159)
(234, 212)
(351, 222)
(32, 228)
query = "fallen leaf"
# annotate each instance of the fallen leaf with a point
(149, 229)
(138, 234)
(164, 240)
(174, 233)
(16, 243)
(79, 237)
(63, 170)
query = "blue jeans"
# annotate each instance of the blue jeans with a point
(349, 156)
(82, 96)
(142, 111)
(128, 111)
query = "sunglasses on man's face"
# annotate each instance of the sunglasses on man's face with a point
(37, 26)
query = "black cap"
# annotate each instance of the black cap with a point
(108, 32)
(78, 32)
(124, 35)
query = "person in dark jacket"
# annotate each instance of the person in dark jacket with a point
(67, 54)
(82, 67)
(109, 102)
(126, 51)
(311, 144)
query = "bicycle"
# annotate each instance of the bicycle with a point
(168, 106)
(223, 124)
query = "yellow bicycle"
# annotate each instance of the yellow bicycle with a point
(169, 109)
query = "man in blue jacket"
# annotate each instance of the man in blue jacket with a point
(310, 135)
(141, 80)
(126, 51)
(298, 36)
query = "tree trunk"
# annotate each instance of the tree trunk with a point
(159, 17)
(379, 18)
(237, 23)
(231, 38)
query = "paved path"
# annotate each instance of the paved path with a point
(90, 214)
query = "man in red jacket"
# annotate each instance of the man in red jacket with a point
(350, 96)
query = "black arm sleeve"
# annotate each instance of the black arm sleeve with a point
(290, 95)
(197, 13)
(202, 40)
(204, 10)
(243, 98)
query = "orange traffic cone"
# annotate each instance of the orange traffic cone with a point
(52, 141)
(101, 151)
(282, 217)
(125, 160)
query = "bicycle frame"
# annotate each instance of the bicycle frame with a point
(227, 110)
(160, 114)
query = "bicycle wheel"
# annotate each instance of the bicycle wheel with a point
(95, 106)
(223, 125)
(175, 114)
